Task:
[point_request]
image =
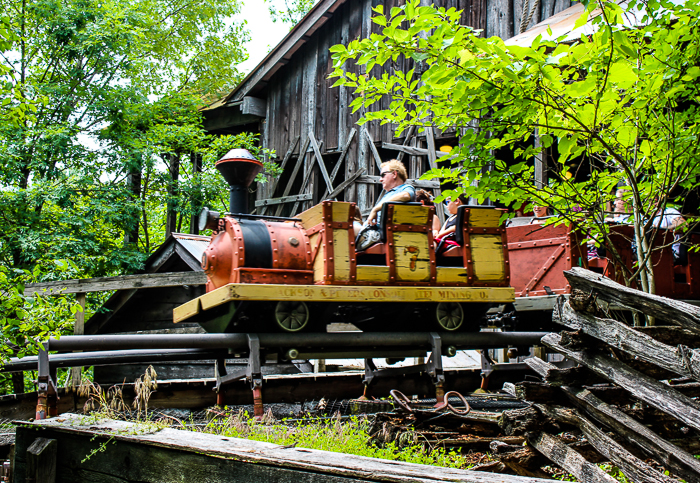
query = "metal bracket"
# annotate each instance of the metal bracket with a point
(486, 364)
(252, 372)
(433, 366)
(47, 392)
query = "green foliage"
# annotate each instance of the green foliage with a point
(350, 437)
(292, 11)
(617, 107)
(26, 322)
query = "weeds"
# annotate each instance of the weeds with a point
(350, 437)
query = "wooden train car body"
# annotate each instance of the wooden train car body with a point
(539, 254)
(251, 264)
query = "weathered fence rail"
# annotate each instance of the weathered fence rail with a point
(616, 397)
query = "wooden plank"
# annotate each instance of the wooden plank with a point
(290, 183)
(123, 282)
(633, 467)
(171, 453)
(406, 141)
(673, 457)
(286, 199)
(418, 183)
(275, 59)
(343, 154)
(643, 387)
(317, 293)
(285, 160)
(373, 148)
(321, 164)
(412, 150)
(41, 461)
(681, 359)
(254, 106)
(567, 458)
(306, 184)
(670, 311)
(344, 185)
(78, 329)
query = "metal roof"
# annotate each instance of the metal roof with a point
(562, 25)
(194, 244)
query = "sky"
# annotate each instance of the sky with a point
(264, 33)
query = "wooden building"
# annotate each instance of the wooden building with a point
(289, 101)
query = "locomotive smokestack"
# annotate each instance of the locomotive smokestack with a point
(239, 168)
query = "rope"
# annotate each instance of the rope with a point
(524, 23)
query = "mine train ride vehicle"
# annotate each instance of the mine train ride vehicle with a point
(270, 274)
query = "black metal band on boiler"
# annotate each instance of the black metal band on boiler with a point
(258, 246)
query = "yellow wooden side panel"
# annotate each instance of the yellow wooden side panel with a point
(341, 254)
(311, 217)
(410, 215)
(319, 267)
(484, 217)
(412, 257)
(186, 310)
(371, 273)
(452, 275)
(487, 258)
(341, 211)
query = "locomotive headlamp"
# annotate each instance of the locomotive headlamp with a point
(208, 220)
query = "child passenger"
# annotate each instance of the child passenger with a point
(446, 236)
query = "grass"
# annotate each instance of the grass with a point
(349, 437)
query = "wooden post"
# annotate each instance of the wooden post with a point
(79, 329)
(432, 162)
(133, 181)
(41, 461)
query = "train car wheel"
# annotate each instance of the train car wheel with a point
(449, 316)
(292, 316)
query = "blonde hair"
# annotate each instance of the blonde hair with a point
(395, 165)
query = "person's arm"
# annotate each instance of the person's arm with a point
(446, 231)
(401, 196)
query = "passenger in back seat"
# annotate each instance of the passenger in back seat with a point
(446, 236)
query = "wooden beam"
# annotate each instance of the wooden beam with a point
(343, 154)
(430, 139)
(672, 457)
(633, 467)
(254, 106)
(671, 311)
(123, 282)
(373, 148)
(41, 461)
(290, 183)
(321, 164)
(78, 329)
(274, 58)
(643, 387)
(414, 182)
(342, 186)
(307, 175)
(567, 458)
(681, 359)
(407, 139)
(412, 150)
(286, 199)
(285, 160)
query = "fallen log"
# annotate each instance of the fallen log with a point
(670, 311)
(568, 459)
(640, 385)
(633, 467)
(671, 456)
(680, 360)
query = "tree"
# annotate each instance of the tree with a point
(89, 68)
(292, 12)
(617, 107)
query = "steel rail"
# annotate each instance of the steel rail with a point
(108, 358)
(325, 341)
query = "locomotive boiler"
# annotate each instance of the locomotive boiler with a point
(299, 274)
